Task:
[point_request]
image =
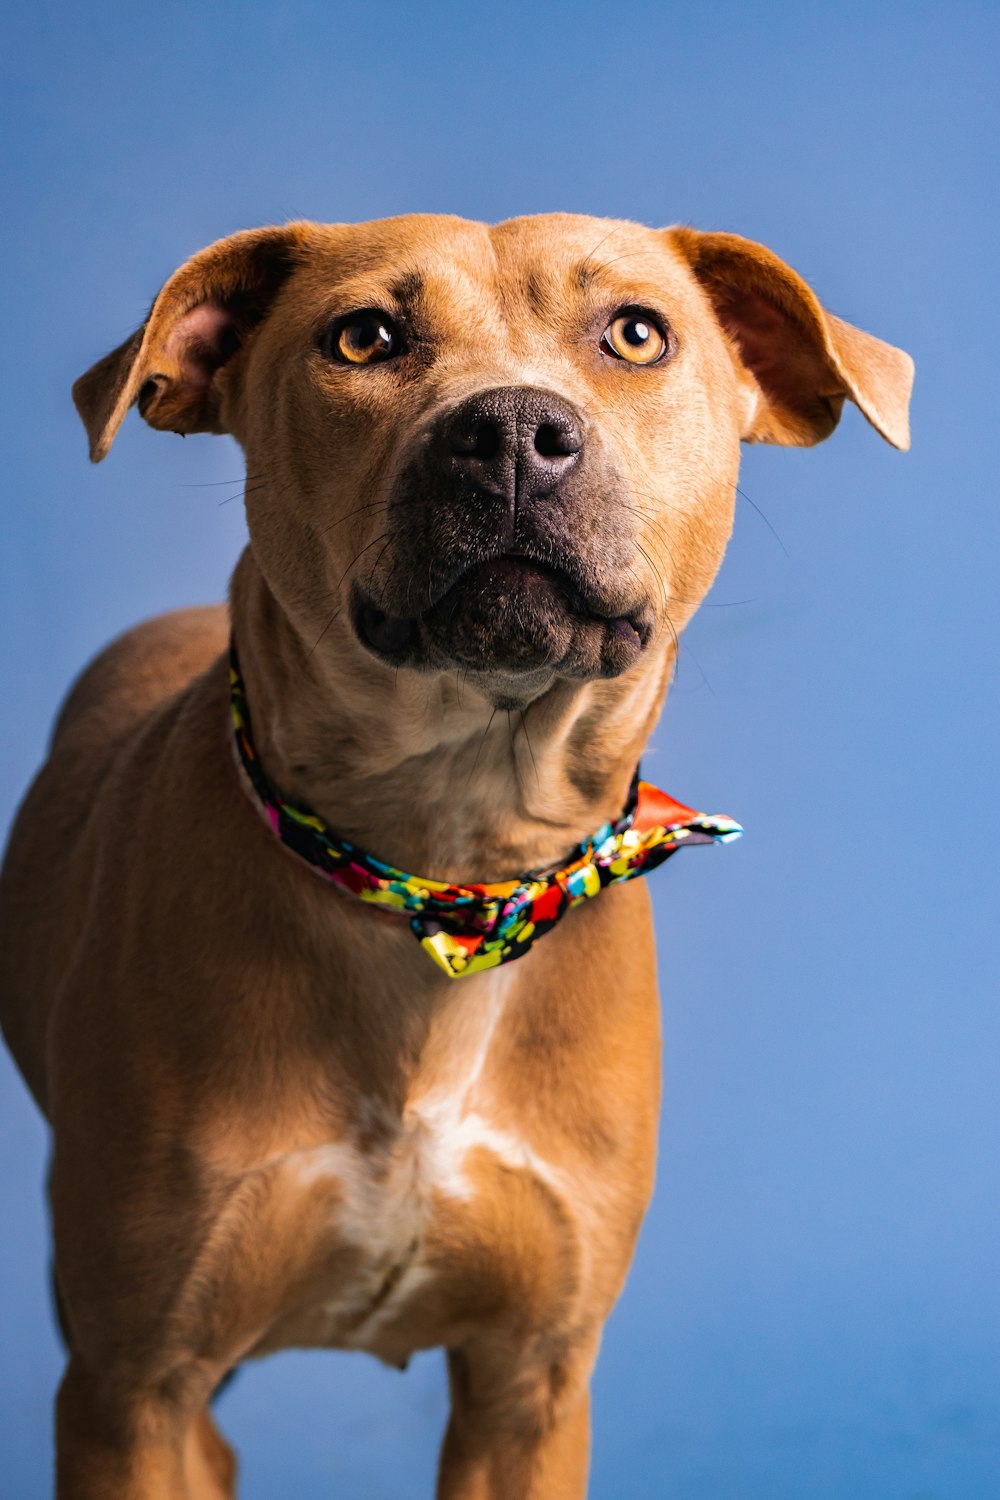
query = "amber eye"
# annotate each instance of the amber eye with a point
(636, 337)
(364, 338)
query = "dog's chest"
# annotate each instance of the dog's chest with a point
(456, 1209)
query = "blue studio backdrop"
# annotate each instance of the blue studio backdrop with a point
(813, 1310)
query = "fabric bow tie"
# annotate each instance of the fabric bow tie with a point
(467, 928)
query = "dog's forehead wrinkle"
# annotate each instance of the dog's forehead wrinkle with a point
(511, 296)
(407, 288)
(537, 264)
(575, 249)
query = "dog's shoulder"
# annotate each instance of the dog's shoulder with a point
(138, 671)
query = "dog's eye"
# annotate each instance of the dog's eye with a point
(364, 338)
(635, 337)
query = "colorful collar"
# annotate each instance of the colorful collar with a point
(466, 928)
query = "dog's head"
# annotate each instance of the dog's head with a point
(509, 451)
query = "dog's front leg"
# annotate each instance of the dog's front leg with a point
(140, 1447)
(519, 1426)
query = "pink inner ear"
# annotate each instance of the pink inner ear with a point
(201, 341)
(783, 355)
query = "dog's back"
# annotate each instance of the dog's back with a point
(45, 881)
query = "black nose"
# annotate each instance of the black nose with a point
(515, 441)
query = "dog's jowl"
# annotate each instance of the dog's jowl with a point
(323, 946)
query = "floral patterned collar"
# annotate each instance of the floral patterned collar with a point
(466, 928)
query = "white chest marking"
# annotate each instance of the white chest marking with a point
(387, 1195)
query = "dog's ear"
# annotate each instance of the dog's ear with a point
(803, 360)
(200, 319)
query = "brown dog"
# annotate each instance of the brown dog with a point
(488, 469)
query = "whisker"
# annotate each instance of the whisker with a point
(374, 543)
(361, 510)
(323, 632)
(385, 587)
(384, 504)
(656, 571)
(479, 748)
(701, 669)
(241, 494)
(527, 739)
(677, 648)
(744, 496)
(513, 750)
(212, 484)
(584, 264)
(661, 535)
(340, 608)
(378, 559)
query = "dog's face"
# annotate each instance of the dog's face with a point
(509, 452)
(513, 455)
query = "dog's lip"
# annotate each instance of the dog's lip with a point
(515, 566)
(519, 564)
(386, 633)
(391, 636)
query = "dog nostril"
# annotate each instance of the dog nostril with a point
(480, 439)
(556, 442)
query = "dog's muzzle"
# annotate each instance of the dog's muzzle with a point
(512, 551)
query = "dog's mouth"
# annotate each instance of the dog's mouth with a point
(509, 614)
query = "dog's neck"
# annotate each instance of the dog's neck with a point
(418, 768)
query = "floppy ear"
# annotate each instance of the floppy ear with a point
(803, 360)
(200, 319)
